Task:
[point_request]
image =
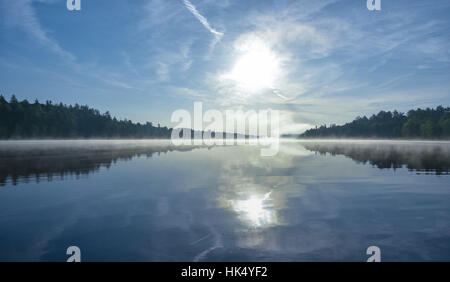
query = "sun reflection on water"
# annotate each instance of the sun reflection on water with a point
(257, 210)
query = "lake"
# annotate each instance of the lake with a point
(144, 200)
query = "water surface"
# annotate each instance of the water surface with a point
(151, 201)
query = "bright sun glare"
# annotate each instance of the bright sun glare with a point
(255, 210)
(257, 68)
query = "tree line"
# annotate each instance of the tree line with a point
(420, 123)
(22, 119)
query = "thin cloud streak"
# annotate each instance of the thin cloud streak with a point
(21, 13)
(278, 93)
(202, 19)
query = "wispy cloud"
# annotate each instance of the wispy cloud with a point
(326, 56)
(337, 59)
(20, 13)
(202, 19)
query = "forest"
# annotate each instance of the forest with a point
(25, 120)
(415, 124)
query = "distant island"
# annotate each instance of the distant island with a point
(420, 123)
(25, 120)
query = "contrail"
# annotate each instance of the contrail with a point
(202, 19)
(277, 92)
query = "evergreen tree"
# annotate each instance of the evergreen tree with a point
(421, 123)
(26, 120)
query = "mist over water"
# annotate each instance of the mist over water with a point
(421, 156)
(42, 160)
(139, 200)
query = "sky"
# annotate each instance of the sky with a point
(317, 62)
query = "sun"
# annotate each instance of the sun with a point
(256, 68)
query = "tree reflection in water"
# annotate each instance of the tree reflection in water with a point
(24, 161)
(422, 157)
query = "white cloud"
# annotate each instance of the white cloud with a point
(202, 19)
(159, 13)
(163, 71)
(20, 13)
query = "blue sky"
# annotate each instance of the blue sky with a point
(316, 61)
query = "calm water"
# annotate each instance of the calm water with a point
(149, 201)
